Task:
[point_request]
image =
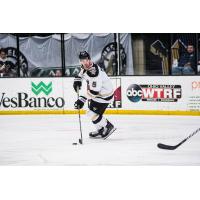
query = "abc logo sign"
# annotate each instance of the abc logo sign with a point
(134, 93)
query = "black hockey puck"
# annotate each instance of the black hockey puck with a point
(74, 143)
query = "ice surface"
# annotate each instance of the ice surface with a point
(47, 140)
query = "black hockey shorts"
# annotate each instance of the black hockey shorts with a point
(98, 108)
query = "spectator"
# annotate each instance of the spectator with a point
(6, 67)
(58, 73)
(198, 65)
(186, 64)
(3, 59)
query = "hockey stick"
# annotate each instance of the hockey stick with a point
(169, 147)
(79, 116)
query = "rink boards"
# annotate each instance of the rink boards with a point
(175, 95)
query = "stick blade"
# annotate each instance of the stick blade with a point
(167, 147)
(80, 141)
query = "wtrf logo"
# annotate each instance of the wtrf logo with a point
(161, 93)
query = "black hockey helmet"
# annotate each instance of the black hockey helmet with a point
(84, 55)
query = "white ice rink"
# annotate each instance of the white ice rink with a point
(47, 140)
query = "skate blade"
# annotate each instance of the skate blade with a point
(114, 129)
(95, 138)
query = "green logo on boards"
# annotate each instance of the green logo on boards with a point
(41, 87)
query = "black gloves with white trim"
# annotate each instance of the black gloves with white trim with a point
(80, 102)
(77, 83)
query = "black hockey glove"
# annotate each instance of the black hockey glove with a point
(77, 83)
(80, 102)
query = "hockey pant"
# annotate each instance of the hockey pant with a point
(95, 113)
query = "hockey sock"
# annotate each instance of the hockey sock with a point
(99, 122)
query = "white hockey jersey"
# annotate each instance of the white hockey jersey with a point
(99, 86)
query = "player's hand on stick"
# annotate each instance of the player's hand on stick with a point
(77, 83)
(80, 102)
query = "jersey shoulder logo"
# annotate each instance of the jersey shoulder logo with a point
(94, 84)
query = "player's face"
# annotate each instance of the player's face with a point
(86, 63)
(58, 73)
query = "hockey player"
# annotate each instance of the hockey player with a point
(99, 93)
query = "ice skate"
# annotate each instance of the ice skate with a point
(96, 134)
(109, 129)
